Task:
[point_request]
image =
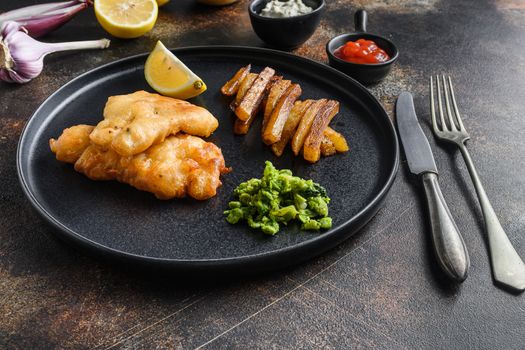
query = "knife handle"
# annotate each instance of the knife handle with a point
(450, 248)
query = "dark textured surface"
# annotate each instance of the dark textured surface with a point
(380, 289)
(194, 234)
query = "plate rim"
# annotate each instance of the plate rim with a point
(76, 237)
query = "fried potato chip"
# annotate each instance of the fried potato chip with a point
(274, 128)
(232, 86)
(312, 143)
(293, 120)
(327, 147)
(241, 127)
(243, 88)
(305, 124)
(339, 140)
(276, 91)
(254, 96)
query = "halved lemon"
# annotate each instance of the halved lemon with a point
(126, 18)
(167, 74)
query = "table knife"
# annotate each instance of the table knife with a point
(449, 246)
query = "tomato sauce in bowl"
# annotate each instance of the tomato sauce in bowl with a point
(366, 57)
(361, 51)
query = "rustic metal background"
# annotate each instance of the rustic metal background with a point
(380, 289)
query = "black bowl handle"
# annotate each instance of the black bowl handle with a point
(360, 19)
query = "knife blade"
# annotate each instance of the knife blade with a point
(417, 149)
(449, 246)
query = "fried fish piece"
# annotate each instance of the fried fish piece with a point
(312, 143)
(134, 122)
(251, 102)
(232, 86)
(180, 165)
(70, 146)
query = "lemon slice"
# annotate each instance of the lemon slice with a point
(167, 74)
(126, 18)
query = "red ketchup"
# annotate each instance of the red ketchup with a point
(361, 51)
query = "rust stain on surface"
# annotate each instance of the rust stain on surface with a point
(398, 6)
(401, 78)
(10, 128)
(172, 25)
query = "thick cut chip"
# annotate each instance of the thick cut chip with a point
(254, 96)
(180, 165)
(276, 91)
(327, 147)
(305, 125)
(232, 86)
(243, 89)
(339, 140)
(241, 127)
(274, 128)
(293, 120)
(273, 81)
(134, 122)
(312, 144)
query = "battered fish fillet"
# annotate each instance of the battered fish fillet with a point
(180, 165)
(70, 146)
(134, 122)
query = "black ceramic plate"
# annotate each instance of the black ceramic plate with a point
(119, 221)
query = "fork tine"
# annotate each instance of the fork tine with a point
(440, 105)
(456, 111)
(433, 107)
(447, 103)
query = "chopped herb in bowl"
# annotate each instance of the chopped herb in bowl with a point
(277, 199)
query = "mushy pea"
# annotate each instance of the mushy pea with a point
(278, 198)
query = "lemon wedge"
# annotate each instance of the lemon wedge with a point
(126, 18)
(162, 2)
(167, 74)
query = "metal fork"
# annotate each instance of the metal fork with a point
(507, 267)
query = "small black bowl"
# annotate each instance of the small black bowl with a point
(289, 32)
(364, 73)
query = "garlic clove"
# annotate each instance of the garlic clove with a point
(22, 57)
(44, 18)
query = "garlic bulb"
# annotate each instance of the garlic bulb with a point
(22, 57)
(41, 19)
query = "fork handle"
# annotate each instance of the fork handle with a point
(507, 266)
(448, 244)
